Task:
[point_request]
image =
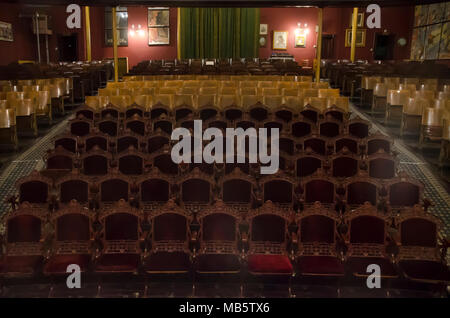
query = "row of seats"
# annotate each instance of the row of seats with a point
(217, 219)
(218, 240)
(412, 96)
(216, 67)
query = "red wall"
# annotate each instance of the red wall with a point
(395, 20)
(138, 48)
(24, 46)
(286, 19)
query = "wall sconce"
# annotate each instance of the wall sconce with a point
(300, 35)
(139, 31)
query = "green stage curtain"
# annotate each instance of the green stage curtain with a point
(218, 32)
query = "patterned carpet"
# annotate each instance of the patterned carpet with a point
(31, 159)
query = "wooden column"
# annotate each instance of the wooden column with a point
(354, 28)
(116, 59)
(319, 45)
(88, 33)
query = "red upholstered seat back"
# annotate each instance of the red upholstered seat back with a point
(278, 191)
(219, 227)
(351, 145)
(268, 228)
(131, 164)
(195, 190)
(317, 145)
(319, 190)
(80, 128)
(59, 162)
(360, 192)
(317, 228)
(156, 143)
(96, 141)
(329, 129)
(170, 227)
(108, 127)
(359, 130)
(404, 194)
(307, 166)
(24, 228)
(237, 190)
(67, 143)
(367, 229)
(114, 190)
(301, 129)
(124, 143)
(95, 165)
(121, 226)
(155, 190)
(376, 144)
(74, 190)
(286, 145)
(165, 164)
(345, 167)
(382, 168)
(418, 232)
(33, 192)
(73, 227)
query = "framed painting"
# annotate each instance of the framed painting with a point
(360, 22)
(262, 41)
(418, 44)
(436, 13)
(432, 41)
(300, 40)
(158, 26)
(158, 36)
(360, 38)
(158, 17)
(444, 52)
(280, 40)
(263, 29)
(6, 33)
(420, 15)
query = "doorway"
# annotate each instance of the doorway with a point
(384, 47)
(328, 46)
(68, 48)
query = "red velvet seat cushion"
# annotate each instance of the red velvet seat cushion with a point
(427, 270)
(320, 265)
(21, 264)
(118, 263)
(167, 262)
(58, 263)
(358, 266)
(269, 264)
(218, 263)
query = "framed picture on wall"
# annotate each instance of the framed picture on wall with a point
(6, 33)
(444, 52)
(158, 26)
(300, 38)
(262, 41)
(263, 29)
(280, 39)
(360, 22)
(158, 17)
(360, 38)
(158, 36)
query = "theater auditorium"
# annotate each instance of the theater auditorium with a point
(354, 97)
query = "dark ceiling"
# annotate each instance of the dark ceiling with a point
(229, 3)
